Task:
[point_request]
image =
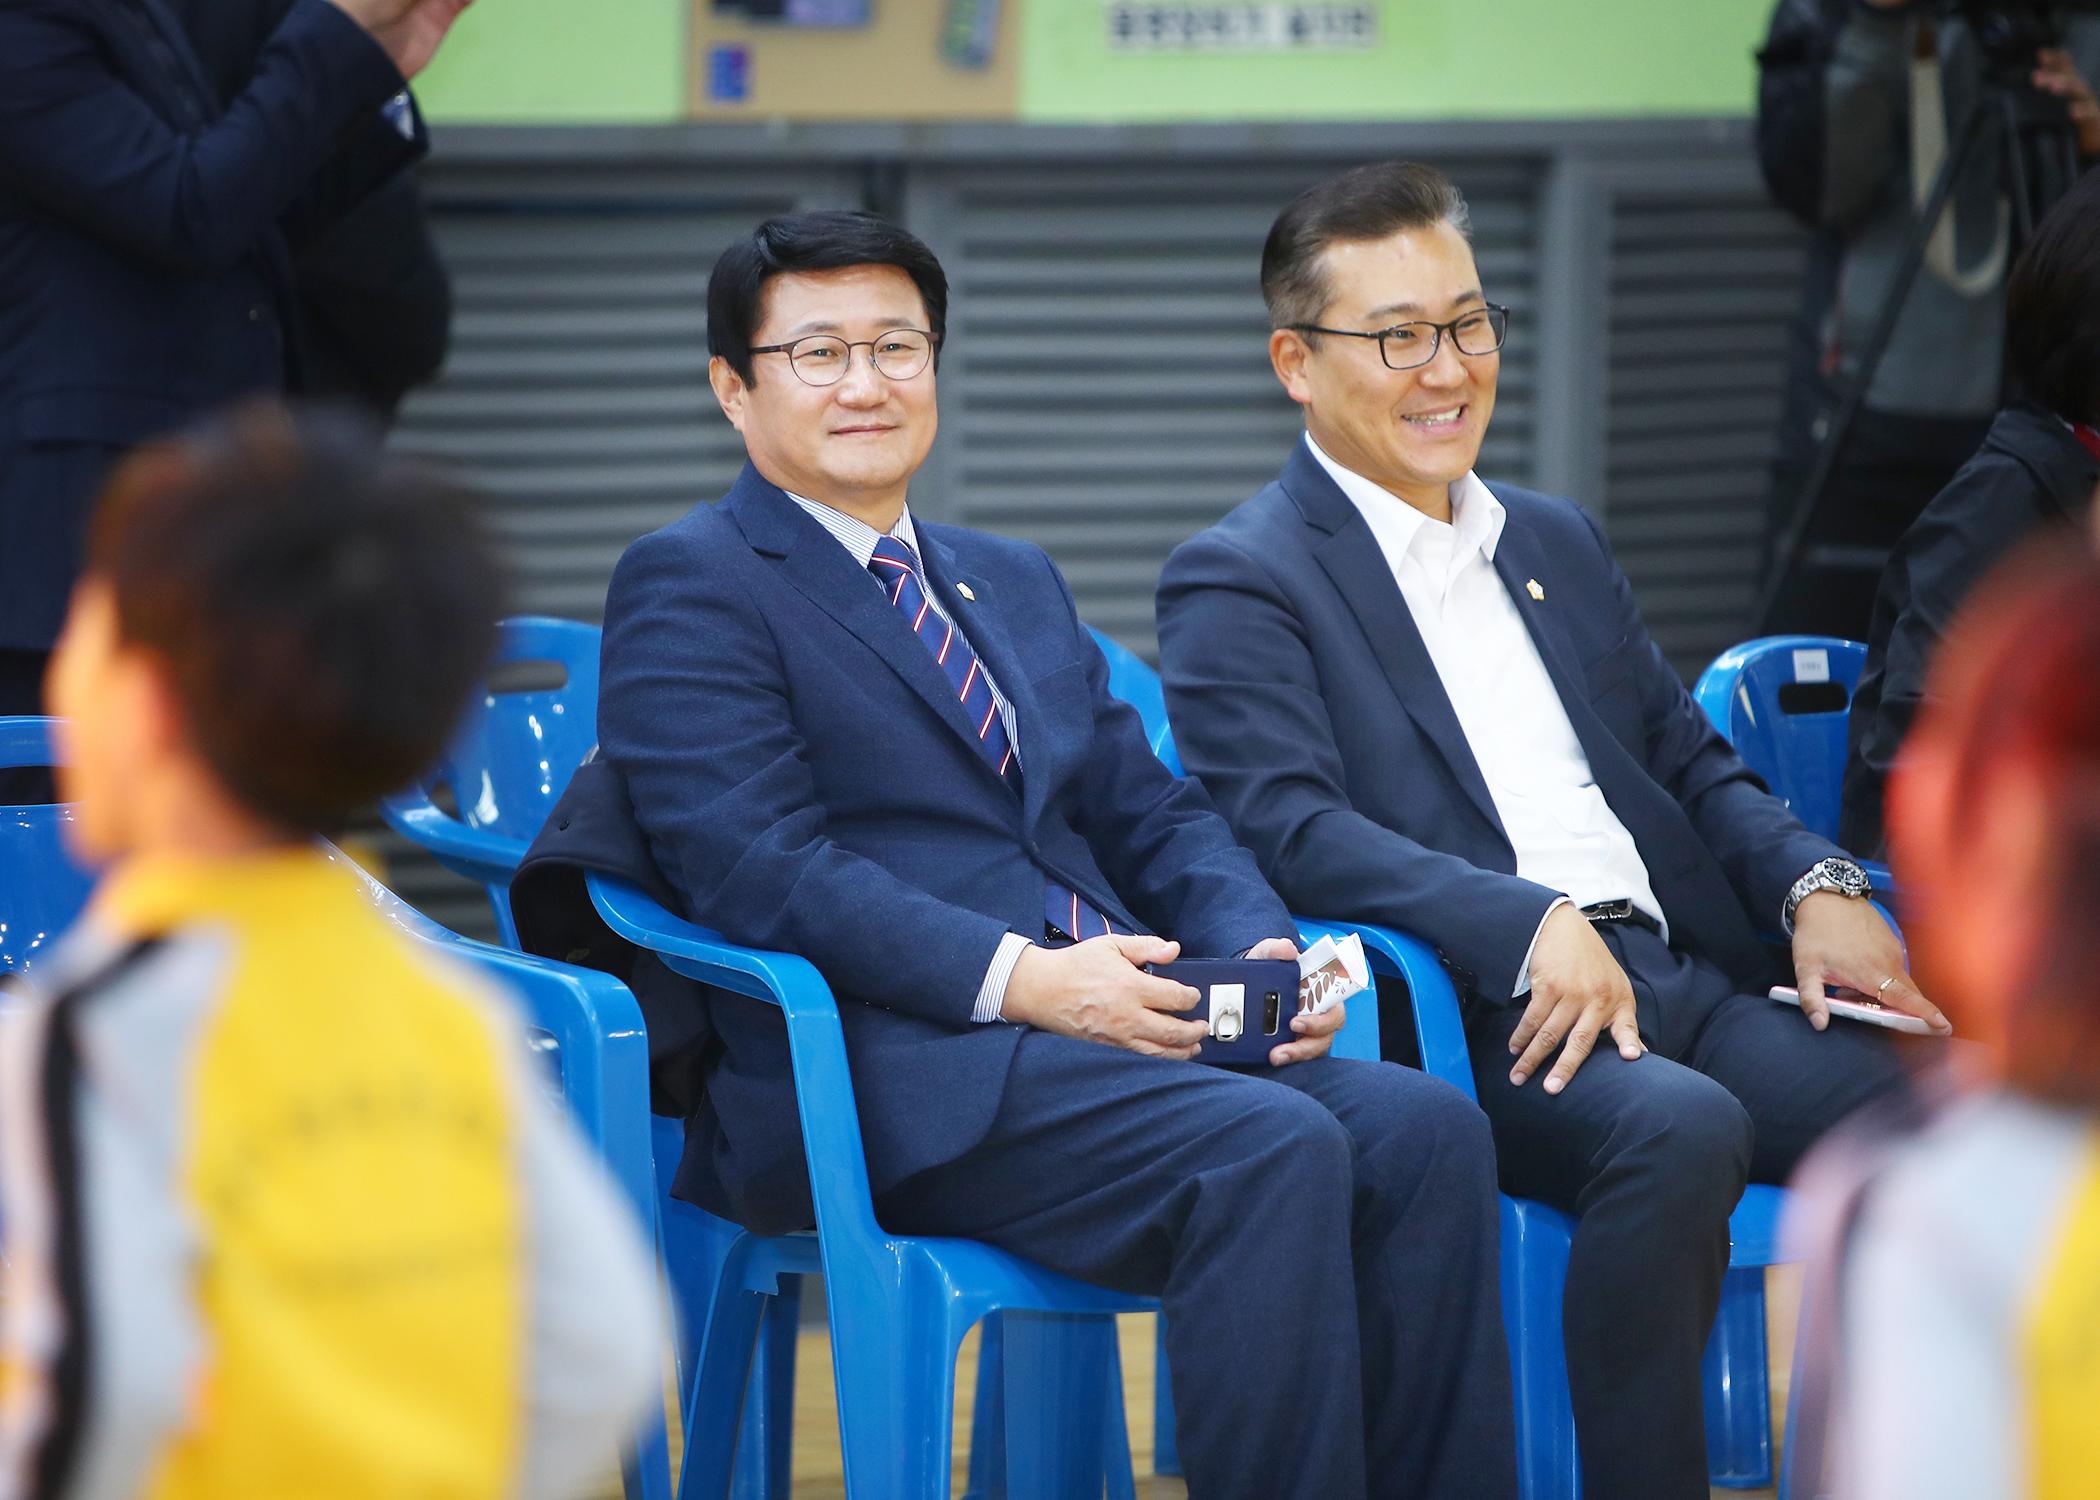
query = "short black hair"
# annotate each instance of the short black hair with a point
(1370, 202)
(2052, 308)
(322, 610)
(822, 239)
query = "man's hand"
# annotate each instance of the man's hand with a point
(1841, 942)
(410, 30)
(2058, 75)
(1578, 993)
(1098, 990)
(1315, 1033)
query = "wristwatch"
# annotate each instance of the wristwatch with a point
(1840, 875)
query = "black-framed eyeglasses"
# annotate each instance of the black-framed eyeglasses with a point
(1405, 346)
(824, 358)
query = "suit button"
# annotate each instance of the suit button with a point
(257, 313)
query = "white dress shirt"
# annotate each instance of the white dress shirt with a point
(859, 539)
(1565, 834)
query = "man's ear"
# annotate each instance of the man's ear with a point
(730, 390)
(163, 722)
(1287, 355)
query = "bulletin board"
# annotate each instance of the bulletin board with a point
(908, 60)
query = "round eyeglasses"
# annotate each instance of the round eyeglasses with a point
(1407, 346)
(824, 358)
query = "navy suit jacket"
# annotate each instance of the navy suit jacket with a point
(144, 265)
(1302, 696)
(807, 781)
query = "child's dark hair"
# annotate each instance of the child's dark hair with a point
(322, 610)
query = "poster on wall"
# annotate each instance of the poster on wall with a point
(814, 13)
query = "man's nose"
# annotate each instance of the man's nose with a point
(862, 384)
(1447, 367)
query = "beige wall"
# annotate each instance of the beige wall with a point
(891, 69)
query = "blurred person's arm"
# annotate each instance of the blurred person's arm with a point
(593, 1365)
(81, 145)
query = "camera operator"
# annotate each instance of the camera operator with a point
(1857, 104)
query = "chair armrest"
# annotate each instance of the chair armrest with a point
(481, 856)
(838, 1163)
(1439, 1029)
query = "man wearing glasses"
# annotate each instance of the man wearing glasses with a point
(889, 746)
(1429, 702)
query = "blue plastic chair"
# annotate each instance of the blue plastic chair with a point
(41, 889)
(899, 1306)
(1782, 701)
(523, 737)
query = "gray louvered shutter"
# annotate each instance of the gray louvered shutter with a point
(576, 391)
(1106, 391)
(1704, 286)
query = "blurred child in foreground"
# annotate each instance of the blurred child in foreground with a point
(286, 1213)
(1962, 1251)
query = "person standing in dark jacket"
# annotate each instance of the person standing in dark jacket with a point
(1849, 91)
(151, 204)
(2037, 468)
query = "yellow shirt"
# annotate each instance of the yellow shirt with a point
(304, 1158)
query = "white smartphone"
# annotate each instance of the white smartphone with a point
(1873, 1012)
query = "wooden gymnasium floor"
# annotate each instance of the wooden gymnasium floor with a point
(818, 1474)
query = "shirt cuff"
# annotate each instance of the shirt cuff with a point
(991, 995)
(1524, 969)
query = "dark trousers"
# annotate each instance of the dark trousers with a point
(1323, 1240)
(1652, 1155)
(22, 695)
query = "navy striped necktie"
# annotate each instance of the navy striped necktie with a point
(896, 569)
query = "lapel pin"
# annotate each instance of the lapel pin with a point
(1531, 586)
(964, 590)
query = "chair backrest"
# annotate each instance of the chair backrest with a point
(587, 1024)
(1782, 702)
(527, 730)
(41, 889)
(1130, 679)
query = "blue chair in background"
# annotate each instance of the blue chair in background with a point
(899, 1306)
(585, 1026)
(523, 737)
(41, 889)
(1536, 1237)
(1783, 702)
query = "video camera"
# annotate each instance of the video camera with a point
(2012, 32)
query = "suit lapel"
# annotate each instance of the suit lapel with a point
(1521, 561)
(824, 572)
(1352, 559)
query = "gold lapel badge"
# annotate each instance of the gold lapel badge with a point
(964, 590)
(1531, 586)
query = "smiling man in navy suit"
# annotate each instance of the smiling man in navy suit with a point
(889, 746)
(1429, 702)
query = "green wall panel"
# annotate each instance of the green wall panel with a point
(561, 61)
(1434, 59)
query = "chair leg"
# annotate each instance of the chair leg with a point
(1056, 1386)
(1535, 1242)
(1735, 1373)
(1166, 1451)
(715, 1411)
(765, 1439)
(1115, 1428)
(988, 1414)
